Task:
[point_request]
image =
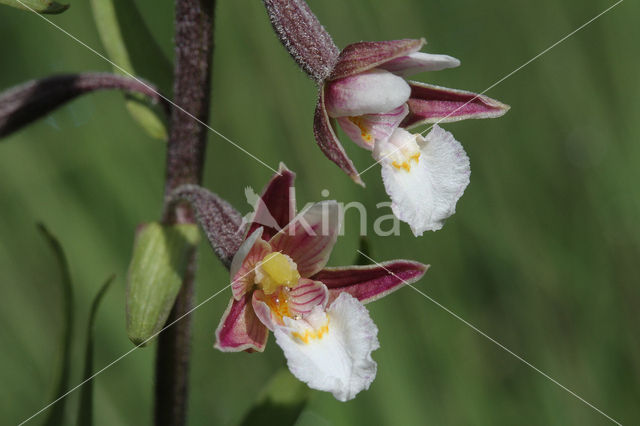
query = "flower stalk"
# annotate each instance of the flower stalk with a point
(22, 105)
(185, 160)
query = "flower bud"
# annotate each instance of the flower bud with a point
(160, 257)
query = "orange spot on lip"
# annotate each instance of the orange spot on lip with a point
(407, 164)
(364, 131)
(278, 302)
(312, 334)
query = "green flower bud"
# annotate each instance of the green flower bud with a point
(160, 257)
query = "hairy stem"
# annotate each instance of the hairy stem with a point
(185, 160)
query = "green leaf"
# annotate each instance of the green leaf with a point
(283, 398)
(145, 55)
(55, 414)
(130, 45)
(147, 116)
(159, 263)
(85, 410)
(40, 6)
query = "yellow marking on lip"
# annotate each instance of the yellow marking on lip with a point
(312, 334)
(364, 132)
(279, 304)
(407, 164)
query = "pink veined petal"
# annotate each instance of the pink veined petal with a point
(435, 104)
(370, 282)
(366, 129)
(371, 92)
(295, 302)
(252, 251)
(307, 295)
(419, 62)
(263, 311)
(243, 250)
(329, 143)
(310, 237)
(277, 205)
(365, 55)
(240, 329)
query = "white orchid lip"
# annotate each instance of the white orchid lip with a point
(401, 150)
(424, 177)
(312, 328)
(372, 92)
(330, 349)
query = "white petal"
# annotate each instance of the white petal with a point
(372, 92)
(419, 62)
(427, 194)
(339, 361)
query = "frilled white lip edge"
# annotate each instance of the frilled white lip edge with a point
(331, 350)
(426, 195)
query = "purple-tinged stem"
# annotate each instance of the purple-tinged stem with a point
(23, 104)
(185, 161)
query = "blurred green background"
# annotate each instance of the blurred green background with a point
(542, 254)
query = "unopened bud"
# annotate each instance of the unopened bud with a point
(160, 258)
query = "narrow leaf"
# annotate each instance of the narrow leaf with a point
(283, 398)
(146, 116)
(55, 414)
(223, 225)
(40, 6)
(159, 263)
(306, 40)
(110, 24)
(145, 55)
(21, 105)
(85, 409)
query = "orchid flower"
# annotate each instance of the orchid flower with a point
(364, 90)
(280, 283)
